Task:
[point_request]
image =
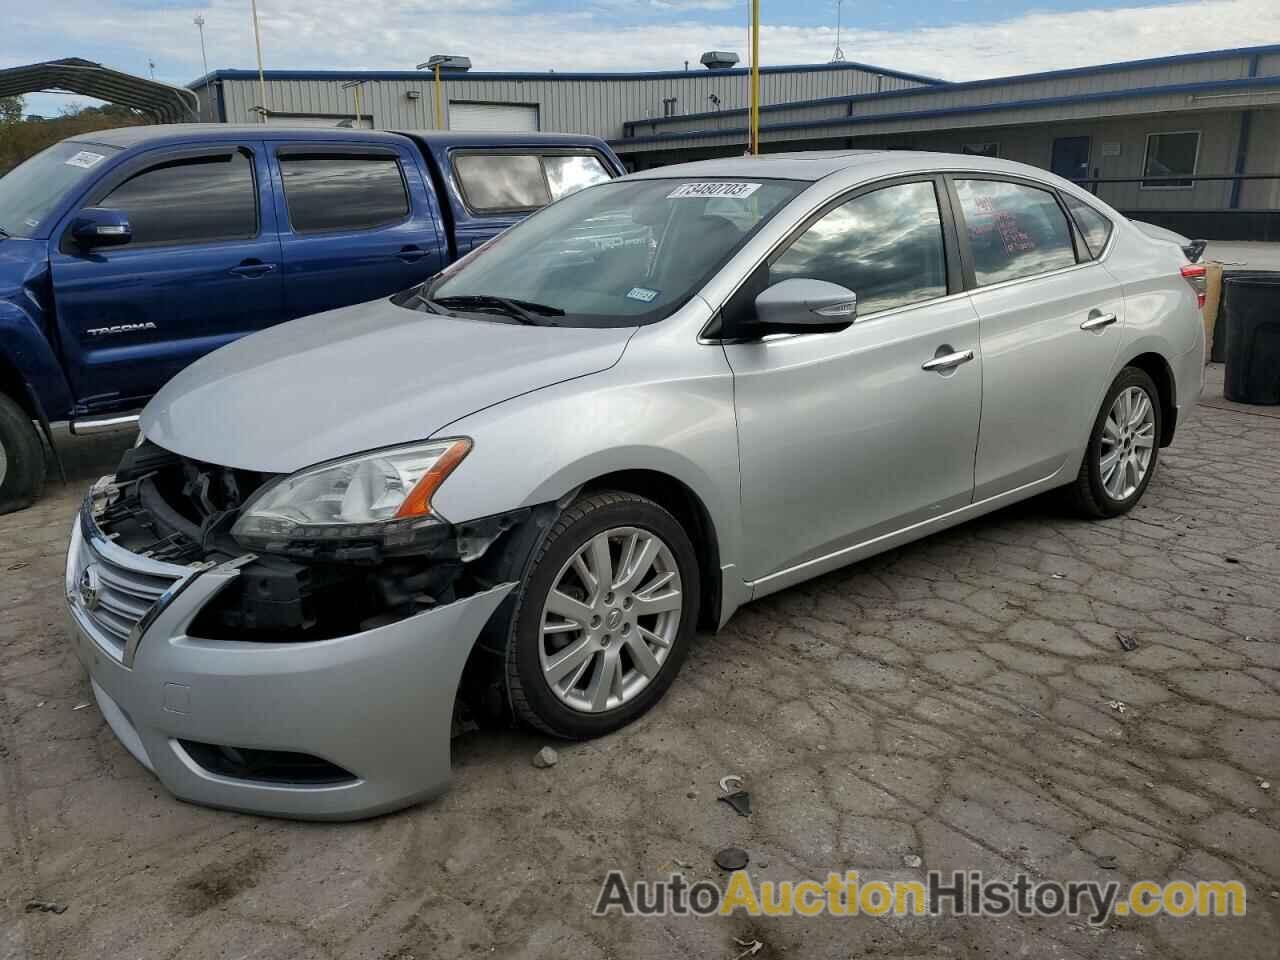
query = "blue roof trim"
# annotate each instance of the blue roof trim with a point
(853, 121)
(547, 75)
(1252, 52)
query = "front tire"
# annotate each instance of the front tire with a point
(22, 463)
(604, 618)
(1123, 450)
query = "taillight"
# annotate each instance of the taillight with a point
(1194, 274)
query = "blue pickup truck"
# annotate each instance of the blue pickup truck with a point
(127, 254)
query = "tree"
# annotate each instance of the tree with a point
(10, 110)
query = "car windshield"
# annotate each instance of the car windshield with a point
(616, 254)
(30, 191)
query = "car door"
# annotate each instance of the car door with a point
(848, 436)
(357, 223)
(498, 188)
(201, 269)
(1050, 320)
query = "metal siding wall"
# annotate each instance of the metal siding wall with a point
(569, 105)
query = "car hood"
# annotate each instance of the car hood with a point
(359, 378)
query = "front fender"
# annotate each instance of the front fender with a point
(536, 448)
(26, 350)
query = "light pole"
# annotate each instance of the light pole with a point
(262, 80)
(435, 63)
(199, 22)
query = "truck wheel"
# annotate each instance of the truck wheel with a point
(604, 618)
(22, 463)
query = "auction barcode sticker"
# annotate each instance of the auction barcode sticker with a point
(723, 190)
(85, 159)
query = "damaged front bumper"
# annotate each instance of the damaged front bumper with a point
(338, 728)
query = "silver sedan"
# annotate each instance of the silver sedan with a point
(525, 484)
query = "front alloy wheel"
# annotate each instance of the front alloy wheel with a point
(604, 617)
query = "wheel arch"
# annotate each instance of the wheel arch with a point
(683, 503)
(1158, 369)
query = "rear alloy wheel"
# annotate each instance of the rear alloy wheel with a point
(22, 463)
(604, 618)
(1123, 448)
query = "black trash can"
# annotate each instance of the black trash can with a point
(1218, 349)
(1251, 306)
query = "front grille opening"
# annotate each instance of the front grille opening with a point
(266, 766)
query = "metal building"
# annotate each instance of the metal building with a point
(1192, 141)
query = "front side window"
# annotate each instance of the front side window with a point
(1095, 227)
(1171, 155)
(340, 193)
(885, 246)
(621, 253)
(1014, 230)
(31, 191)
(190, 200)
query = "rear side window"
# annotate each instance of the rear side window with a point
(190, 201)
(1095, 227)
(1014, 230)
(569, 173)
(885, 246)
(512, 182)
(331, 193)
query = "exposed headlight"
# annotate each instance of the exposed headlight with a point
(381, 498)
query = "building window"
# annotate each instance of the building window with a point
(1171, 155)
(980, 149)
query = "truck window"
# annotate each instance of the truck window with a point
(32, 191)
(328, 193)
(515, 182)
(569, 173)
(190, 200)
(493, 183)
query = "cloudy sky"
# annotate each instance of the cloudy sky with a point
(951, 39)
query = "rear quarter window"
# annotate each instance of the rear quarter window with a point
(1093, 225)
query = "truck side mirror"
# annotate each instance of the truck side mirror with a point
(101, 227)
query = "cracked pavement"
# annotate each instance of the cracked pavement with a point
(949, 700)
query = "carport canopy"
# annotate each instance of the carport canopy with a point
(167, 104)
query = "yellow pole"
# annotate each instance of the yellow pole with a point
(439, 102)
(262, 80)
(755, 76)
(357, 93)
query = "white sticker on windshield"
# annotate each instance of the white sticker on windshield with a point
(643, 294)
(86, 159)
(728, 191)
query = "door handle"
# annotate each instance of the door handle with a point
(1097, 321)
(252, 269)
(411, 253)
(948, 361)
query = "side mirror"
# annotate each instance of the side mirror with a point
(801, 305)
(100, 227)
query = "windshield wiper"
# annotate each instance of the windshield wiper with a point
(533, 314)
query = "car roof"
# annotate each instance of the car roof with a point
(187, 132)
(814, 165)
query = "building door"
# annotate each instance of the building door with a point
(1071, 157)
(493, 117)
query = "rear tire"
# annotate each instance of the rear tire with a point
(612, 630)
(1117, 469)
(22, 462)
